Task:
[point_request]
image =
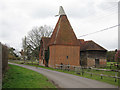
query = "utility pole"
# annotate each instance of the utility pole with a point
(119, 26)
(118, 58)
(0, 66)
(24, 49)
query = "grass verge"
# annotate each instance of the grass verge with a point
(19, 77)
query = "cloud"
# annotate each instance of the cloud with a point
(82, 11)
(20, 16)
(108, 6)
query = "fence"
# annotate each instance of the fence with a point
(82, 70)
(3, 61)
(4, 58)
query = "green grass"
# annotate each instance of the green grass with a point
(110, 65)
(86, 75)
(98, 78)
(21, 61)
(110, 73)
(19, 77)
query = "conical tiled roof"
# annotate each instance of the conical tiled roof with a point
(63, 33)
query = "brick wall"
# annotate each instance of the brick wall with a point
(83, 58)
(92, 55)
(91, 62)
(64, 54)
(103, 62)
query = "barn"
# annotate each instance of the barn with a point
(63, 47)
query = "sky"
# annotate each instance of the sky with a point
(18, 17)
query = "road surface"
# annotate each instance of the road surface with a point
(64, 80)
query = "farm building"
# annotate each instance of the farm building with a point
(63, 47)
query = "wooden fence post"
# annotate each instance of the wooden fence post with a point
(91, 74)
(68, 67)
(116, 77)
(0, 66)
(82, 71)
(101, 76)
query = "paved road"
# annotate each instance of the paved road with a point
(64, 80)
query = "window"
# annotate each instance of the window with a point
(67, 57)
(96, 61)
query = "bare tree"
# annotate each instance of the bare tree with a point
(31, 43)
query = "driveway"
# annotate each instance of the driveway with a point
(64, 80)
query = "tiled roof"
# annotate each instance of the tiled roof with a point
(90, 45)
(63, 33)
(81, 41)
(45, 41)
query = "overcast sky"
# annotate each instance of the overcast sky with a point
(18, 17)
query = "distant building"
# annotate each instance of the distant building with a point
(63, 47)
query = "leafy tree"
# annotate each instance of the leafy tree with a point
(12, 53)
(111, 56)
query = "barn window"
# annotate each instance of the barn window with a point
(67, 57)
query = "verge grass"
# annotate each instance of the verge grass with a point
(19, 77)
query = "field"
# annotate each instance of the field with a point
(19, 77)
(111, 65)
